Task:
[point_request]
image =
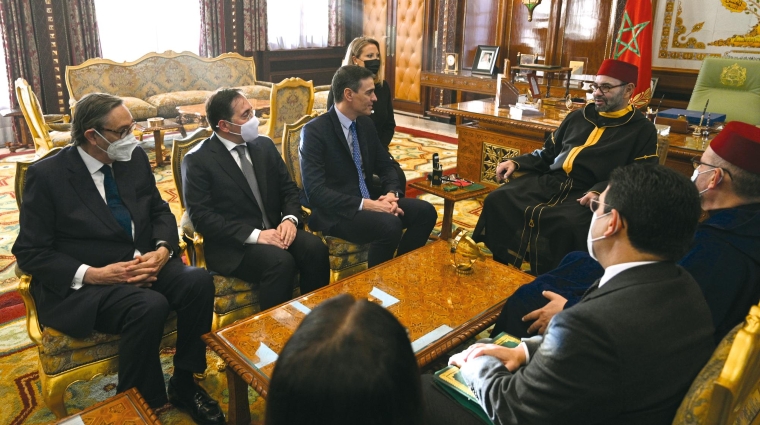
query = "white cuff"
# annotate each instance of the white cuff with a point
(527, 353)
(78, 280)
(253, 239)
(290, 216)
(361, 205)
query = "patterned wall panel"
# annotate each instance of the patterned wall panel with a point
(375, 22)
(409, 32)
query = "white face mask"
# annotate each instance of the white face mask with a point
(589, 239)
(248, 131)
(696, 174)
(120, 150)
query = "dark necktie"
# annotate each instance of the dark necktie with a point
(356, 154)
(250, 176)
(119, 211)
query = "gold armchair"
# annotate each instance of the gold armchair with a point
(290, 99)
(45, 130)
(64, 360)
(234, 298)
(346, 258)
(320, 98)
(726, 389)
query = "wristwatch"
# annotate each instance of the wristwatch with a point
(166, 245)
(292, 220)
(395, 193)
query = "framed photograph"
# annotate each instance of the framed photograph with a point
(485, 60)
(450, 63)
(535, 91)
(527, 59)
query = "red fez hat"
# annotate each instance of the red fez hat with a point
(739, 144)
(623, 71)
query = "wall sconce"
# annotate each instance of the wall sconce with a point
(531, 4)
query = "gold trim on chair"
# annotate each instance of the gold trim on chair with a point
(36, 120)
(274, 127)
(21, 169)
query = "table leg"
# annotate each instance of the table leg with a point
(548, 77)
(158, 137)
(448, 212)
(459, 100)
(567, 86)
(239, 412)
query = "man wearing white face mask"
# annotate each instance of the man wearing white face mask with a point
(100, 244)
(591, 366)
(241, 198)
(724, 258)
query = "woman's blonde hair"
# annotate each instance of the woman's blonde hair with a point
(354, 50)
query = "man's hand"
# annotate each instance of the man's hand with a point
(271, 237)
(113, 274)
(587, 198)
(391, 197)
(511, 358)
(287, 231)
(148, 266)
(505, 169)
(382, 205)
(543, 315)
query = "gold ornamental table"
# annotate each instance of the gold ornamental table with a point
(127, 408)
(439, 308)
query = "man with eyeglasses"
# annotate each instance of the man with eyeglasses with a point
(240, 197)
(543, 214)
(724, 258)
(102, 248)
(629, 350)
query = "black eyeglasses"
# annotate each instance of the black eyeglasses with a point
(604, 88)
(122, 133)
(695, 162)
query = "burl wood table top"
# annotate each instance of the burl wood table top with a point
(439, 308)
(454, 195)
(127, 408)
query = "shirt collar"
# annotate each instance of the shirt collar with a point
(344, 120)
(92, 164)
(228, 144)
(616, 269)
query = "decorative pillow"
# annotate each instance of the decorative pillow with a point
(140, 109)
(60, 138)
(167, 103)
(320, 100)
(256, 92)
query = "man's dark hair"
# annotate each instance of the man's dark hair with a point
(349, 76)
(219, 106)
(349, 362)
(659, 206)
(91, 112)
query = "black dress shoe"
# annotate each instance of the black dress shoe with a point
(204, 409)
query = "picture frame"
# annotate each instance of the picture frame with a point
(485, 60)
(450, 63)
(535, 90)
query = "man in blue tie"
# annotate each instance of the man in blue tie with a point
(340, 151)
(101, 246)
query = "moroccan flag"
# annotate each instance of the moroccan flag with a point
(634, 45)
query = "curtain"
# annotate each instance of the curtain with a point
(84, 41)
(212, 28)
(20, 45)
(337, 29)
(255, 25)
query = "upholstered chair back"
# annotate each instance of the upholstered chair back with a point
(732, 86)
(291, 141)
(291, 99)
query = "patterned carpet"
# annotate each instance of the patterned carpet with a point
(19, 379)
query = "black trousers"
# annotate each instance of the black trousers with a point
(385, 231)
(275, 269)
(439, 408)
(139, 314)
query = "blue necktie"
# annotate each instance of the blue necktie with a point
(356, 154)
(119, 211)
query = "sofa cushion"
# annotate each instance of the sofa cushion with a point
(140, 109)
(256, 91)
(167, 103)
(60, 138)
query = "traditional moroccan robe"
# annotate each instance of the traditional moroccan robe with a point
(539, 212)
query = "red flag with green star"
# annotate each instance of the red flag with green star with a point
(634, 45)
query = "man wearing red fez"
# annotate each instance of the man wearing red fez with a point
(544, 215)
(724, 258)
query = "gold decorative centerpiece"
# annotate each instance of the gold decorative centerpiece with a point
(464, 252)
(531, 4)
(155, 122)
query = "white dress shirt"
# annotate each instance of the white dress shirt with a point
(253, 238)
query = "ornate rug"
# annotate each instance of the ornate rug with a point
(19, 379)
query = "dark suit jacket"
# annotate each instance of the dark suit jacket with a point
(329, 175)
(66, 223)
(220, 201)
(626, 354)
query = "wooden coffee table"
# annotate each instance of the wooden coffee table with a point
(449, 198)
(124, 408)
(439, 308)
(158, 136)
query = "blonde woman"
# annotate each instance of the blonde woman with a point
(365, 52)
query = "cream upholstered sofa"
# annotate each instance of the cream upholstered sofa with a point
(157, 83)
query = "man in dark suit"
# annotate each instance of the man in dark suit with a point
(100, 244)
(242, 200)
(628, 351)
(340, 151)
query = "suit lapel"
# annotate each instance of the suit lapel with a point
(224, 158)
(339, 130)
(85, 188)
